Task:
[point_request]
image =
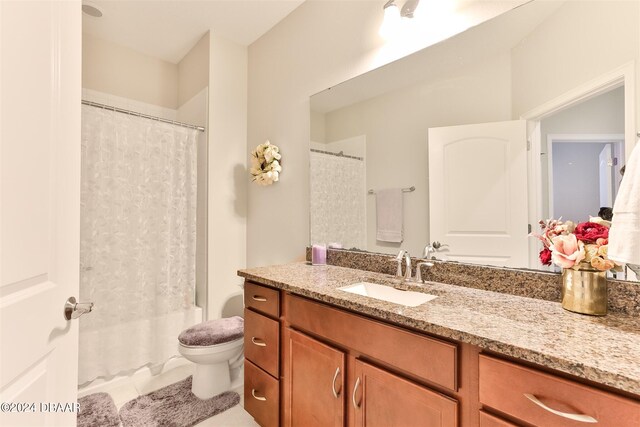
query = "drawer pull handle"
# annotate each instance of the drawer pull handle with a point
(255, 396)
(259, 298)
(353, 396)
(576, 417)
(258, 342)
(333, 384)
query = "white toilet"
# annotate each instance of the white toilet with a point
(213, 346)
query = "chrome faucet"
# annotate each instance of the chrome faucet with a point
(407, 260)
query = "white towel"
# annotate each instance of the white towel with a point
(624, 235)
(389, 212)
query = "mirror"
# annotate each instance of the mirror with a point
(555, 78)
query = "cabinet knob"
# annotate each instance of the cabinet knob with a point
(575, 417)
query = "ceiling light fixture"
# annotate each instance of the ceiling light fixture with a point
(408, 8)
(393, 16)
(91, 10)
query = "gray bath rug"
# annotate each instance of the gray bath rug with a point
(174, 406)
(97, 409)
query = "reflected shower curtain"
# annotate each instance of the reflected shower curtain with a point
(138, 240)
(338, 204)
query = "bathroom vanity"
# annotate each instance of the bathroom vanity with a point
(317, 355)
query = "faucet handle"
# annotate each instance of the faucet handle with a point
(419, 278)
(432, 248)
(437, 245)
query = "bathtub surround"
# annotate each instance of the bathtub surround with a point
(624, 296)
(138, 235)
(98, 409)
(174, 405)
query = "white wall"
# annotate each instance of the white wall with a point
(193, 82)
(580, 42)
(228, 175)
(396, 126)
(194, 111)
(318, 45)
(317, 127)
(193, 70)
(117, 70)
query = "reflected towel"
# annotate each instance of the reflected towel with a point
(624, 235)
(389, 213)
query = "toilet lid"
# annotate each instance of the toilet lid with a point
(213, 332)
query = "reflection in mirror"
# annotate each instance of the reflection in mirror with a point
(586, 140)
(527, 116)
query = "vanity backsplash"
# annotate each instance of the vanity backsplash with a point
(624, 297)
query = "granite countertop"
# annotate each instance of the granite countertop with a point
(601, 349)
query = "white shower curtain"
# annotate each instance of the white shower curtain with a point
(338, 204)
(138, 240)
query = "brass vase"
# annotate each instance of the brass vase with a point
(584, 291)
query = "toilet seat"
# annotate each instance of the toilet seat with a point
(197, 350)
(213, 332)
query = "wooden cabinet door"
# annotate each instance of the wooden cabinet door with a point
(386, 400)
(315, 383)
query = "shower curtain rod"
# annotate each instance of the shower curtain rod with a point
(331, 153)
(146, 116)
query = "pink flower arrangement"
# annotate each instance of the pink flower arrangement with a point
(568, 245)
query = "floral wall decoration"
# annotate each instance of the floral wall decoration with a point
(265, 164)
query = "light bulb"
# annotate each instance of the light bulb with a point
(391, 22)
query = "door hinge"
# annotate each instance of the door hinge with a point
(528, 145)
(528, 228)
(615, 161)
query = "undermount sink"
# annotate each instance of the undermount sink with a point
(388, 293)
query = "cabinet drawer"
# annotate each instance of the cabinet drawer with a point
(262, 299)
(488, 420)
(427, 358)
(505, 386)
(262, 341)
(261, 396)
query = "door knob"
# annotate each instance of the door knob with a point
(74, 309)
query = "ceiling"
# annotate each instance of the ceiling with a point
(168, 29)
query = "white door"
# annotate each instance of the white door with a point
(606, 176)
(478, 192)
(40, 79)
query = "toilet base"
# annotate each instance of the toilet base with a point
(210, 380)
